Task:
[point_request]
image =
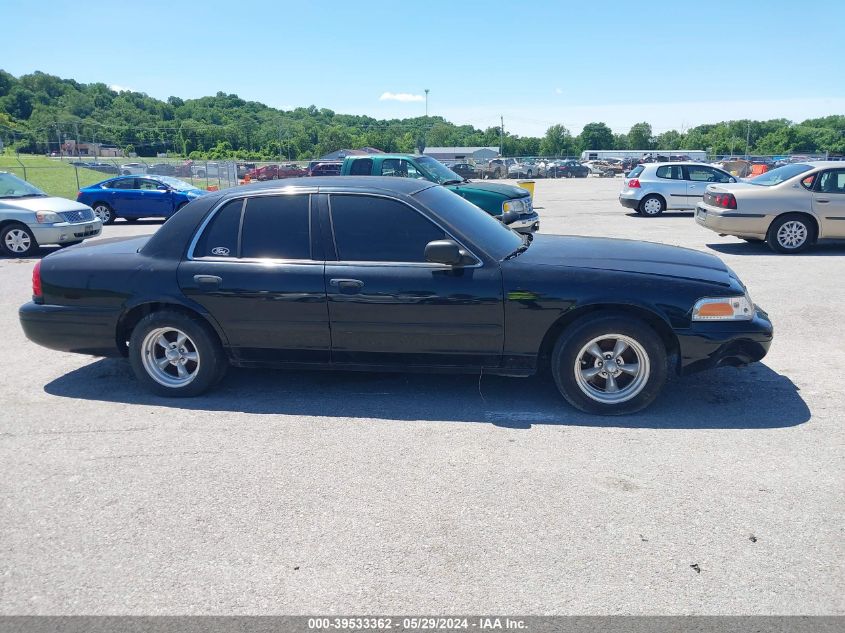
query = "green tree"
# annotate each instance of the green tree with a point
(596, 136)
(640, 136)
(556, 142)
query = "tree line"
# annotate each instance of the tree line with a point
(38, 112)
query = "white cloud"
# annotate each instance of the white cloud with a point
(400, 96)
(119, 88)
(558, 91)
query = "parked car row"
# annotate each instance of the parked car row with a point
(790, 208)
(501, 168)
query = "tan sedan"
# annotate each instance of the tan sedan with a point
(790, 208)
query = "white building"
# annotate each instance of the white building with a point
(479, 154)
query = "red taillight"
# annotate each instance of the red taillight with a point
(37, 293)
(634, 183)
(724, 200)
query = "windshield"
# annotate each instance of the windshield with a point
(13, 187)
(438, 171)
(479, 226)
(175, 183)
(779, 175)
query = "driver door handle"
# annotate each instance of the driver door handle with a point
(347, 285)
(822, 200)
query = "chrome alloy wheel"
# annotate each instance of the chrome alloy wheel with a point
(792, 234)
(170, 357)
(612, 368)
(18, 241)
(102, 212)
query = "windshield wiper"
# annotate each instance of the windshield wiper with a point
(452, 182)
(26, 195)
(520, 250)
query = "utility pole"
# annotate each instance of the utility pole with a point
(747, 140)
(501, 135)
(76, 129)
(426, 103)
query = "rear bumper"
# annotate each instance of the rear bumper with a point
(628, 202)
(729, 222)
(708, 345)
(71, 329)
(64, 233)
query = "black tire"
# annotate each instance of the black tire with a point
(791, 233)
(651, 206)
(211, 364)
(17, 240)
(643, 387)
(103, 211)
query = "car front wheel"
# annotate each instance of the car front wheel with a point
(17, 240)
(177, 355)
(609, 365)
(791, 234)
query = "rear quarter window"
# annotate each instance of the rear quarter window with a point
(636, 171)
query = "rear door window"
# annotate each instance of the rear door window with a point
(276, 227)
(670, 172)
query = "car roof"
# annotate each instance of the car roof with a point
(407, 186)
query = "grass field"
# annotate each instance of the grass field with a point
(51, 175)
(60, 178)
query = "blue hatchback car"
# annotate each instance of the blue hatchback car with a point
(134, 197)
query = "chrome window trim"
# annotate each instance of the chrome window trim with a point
(479, 262)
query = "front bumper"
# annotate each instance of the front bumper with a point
(629, 202)
(730, 222)
(733, 343)
(65, 232)
(526, 223)
(70, 328)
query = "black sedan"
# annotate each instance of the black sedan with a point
(466, 170)
(568, 169)
(391, 274)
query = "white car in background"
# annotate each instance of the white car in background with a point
(653, 188)
(133, 169)
(790, 207)
(30, 218)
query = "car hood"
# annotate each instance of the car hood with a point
(508, 191)
(42, 204)
(646, 258)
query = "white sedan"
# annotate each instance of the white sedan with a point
(790, 208)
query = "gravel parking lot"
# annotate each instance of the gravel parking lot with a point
(373, 493)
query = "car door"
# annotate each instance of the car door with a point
(698, 177)
(257, 267)
(671, 184)
(152, 200)
(388, 306)
(120, 196)
(829, 202)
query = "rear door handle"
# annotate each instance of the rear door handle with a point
(208, 282)
(822, 200)
(348, 285)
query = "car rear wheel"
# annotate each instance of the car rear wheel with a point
(17, 240)
(791, 234)
(610, 364)
(104, 212)
(652, 206)
(176, 355)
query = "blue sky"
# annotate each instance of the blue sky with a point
(675, 64)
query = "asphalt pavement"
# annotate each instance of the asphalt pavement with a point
(305, 493)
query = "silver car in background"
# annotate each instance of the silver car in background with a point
(29, 218)
(653, 188)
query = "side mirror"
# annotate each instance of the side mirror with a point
(509, 217)
(731, 179)
(162, 188)
(447, 252)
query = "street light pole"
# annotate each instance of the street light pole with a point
(426, 103)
